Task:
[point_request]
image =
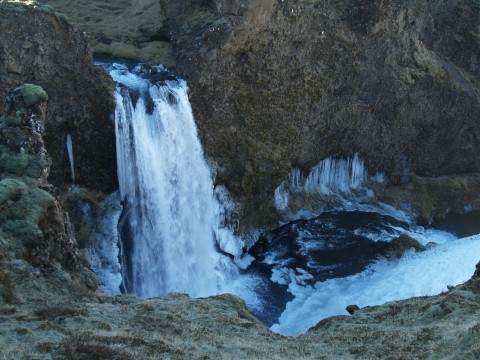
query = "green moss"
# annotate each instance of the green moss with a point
(7, 288)
(32, 94)
(29, 234)
(11, 189)
(14, 164)
(36, 204)
(195, 18)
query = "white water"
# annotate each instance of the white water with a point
(415, 274)
(161, 169)
(70, 156)
(103, 254)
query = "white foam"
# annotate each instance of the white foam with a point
(103, 253)
(415, 274)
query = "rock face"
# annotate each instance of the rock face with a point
(42, 48)
(36, 236)
(276, 84)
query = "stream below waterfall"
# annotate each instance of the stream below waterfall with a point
(170, 233)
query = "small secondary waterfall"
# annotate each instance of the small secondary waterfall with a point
(169, 210)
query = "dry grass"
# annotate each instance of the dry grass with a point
(177, 327)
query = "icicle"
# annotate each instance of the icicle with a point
(70, 157)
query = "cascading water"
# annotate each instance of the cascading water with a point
(169, 211)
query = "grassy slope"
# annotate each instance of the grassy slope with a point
(121, 28)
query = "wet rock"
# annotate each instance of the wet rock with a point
(352, 308)
(403, 243)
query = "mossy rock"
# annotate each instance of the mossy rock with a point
(31, 202)
(32, 94)
(403, 243)
(11, 188)
(36, 204)
(14, 164)
(24, 97)
(28, 233)
(36, 167)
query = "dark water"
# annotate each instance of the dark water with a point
(460, 225)
(333, 245)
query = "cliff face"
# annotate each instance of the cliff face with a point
(42, 48)
(276, 84)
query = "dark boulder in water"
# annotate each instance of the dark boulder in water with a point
(352, 308)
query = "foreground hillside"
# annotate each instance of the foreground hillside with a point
(91, 326)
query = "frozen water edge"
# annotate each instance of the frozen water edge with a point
(415, 274)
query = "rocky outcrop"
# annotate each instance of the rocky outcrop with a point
(435, 197)
(276, 84)
(40, 47)
(36, 237)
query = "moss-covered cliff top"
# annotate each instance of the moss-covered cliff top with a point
(121, 28)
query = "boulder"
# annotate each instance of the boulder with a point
(352, 308)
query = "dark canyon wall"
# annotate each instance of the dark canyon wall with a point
(277, 84)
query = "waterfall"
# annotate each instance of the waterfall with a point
(70, 156)
(169, 209)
